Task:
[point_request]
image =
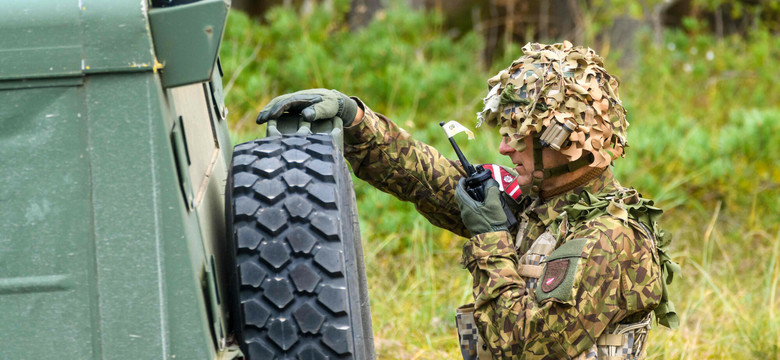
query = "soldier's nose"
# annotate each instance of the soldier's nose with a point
(504, 148)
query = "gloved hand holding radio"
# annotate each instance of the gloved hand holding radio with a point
(481, 217)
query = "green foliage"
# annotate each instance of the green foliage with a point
(400, 62)
(599, 15)
(712, 106)
(704, 120)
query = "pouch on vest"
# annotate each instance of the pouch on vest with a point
(560, 269)
(472, 346)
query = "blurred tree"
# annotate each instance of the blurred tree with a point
(257, 8)
(602, 24)
(503, 21)
(362, 11)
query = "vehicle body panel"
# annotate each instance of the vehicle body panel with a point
(102, 254)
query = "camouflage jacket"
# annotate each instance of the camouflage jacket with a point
(611, 273)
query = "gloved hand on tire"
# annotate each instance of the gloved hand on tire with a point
(311, 105)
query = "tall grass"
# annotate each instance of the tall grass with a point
(703, 142)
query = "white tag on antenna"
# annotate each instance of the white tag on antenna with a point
(453, 127)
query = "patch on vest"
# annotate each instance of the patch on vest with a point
(554, 274)
(560, 271)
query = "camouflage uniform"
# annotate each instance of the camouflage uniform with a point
(589, 259)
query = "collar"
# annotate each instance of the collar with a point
(548, 210)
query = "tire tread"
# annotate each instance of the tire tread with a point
(292, 289)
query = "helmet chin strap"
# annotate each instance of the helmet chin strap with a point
(534, 189)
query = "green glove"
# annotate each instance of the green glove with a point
(481, 217)
(312, 105)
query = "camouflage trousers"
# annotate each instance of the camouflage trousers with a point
(619, 342)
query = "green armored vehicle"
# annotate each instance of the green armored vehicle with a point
(129, 226)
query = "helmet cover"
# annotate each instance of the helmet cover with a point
(562, 84)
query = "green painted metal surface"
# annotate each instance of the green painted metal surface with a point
(202, 24)
(101, 255)
(57, 29)
(59, 38)
(46, 246)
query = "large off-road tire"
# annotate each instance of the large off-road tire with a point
(298, 288)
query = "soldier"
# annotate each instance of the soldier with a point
(584, 268)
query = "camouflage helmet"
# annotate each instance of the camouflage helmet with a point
(564, 95)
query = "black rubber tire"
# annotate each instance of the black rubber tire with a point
(298, 287)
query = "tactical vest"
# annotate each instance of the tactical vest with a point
(618, 342)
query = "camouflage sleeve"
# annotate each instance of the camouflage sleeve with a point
(515, 324)
(387, 157)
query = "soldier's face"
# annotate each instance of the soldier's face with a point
(524, 160)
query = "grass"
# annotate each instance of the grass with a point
(703, 143)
